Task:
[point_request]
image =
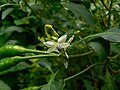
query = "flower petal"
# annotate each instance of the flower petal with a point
(52, 49)
(64, 45)
(50, 44)
(62, 39)
(71, 39)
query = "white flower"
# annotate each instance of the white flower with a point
(57, 46)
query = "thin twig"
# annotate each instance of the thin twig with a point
(33, 87)
(104, 5)
(32, 10)
(75, 75)
(115, 57)
(8, 4)
(80, 55)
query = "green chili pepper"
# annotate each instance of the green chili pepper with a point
(9, 62)
(11, 50)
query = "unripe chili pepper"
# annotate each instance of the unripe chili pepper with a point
(11, 50)
(9, 62)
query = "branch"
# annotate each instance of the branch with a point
(115, 57)
(104, 5)
(32, 10)
(75, 75)
(80, 55)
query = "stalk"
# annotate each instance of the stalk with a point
(81, 72)
(34, 51)
(36, 56)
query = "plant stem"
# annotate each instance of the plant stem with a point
(7, 4)
(115, 57)
(88, 37)
(75, 75)
(37, 56)
(80, 55)
(34, 87)
(114, 71)
(46, 33)
(36, 51)
(104, 5)
(32, 10)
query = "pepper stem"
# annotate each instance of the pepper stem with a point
(19, 58)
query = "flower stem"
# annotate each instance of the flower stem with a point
(35, 51)
(38, 56)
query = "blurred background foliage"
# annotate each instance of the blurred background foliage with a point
(22, 23)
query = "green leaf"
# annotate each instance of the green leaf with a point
(5, 34)
(37, 7)
(4, 86)
(112, 35)
(46, 64)
(4, 37)
(54, 84)
(105, 44)
(6, 12)
(11, 42)
(98, 48)
(13, 28)
(22, 21)
(80, 11)
(109, 82)
(114, 48)
(18, 67)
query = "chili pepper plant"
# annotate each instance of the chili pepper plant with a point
(59, 44)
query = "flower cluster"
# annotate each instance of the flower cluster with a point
(60, 44)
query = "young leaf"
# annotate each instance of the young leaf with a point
(98, 48)
(6, 12)
(80, 11)
(4, 86)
